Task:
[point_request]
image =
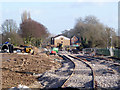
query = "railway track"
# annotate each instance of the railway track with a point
(82, 77)
(73, 73)
(55, 79)
(106, 72)
(80, 73)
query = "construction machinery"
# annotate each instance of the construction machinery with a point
(28, 49)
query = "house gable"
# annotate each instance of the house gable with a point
(60, 37)
(74, 39)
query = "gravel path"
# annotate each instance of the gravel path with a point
(106, 73)
(55, 79)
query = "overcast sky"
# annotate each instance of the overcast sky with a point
(59, 16)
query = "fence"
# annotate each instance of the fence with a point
(116, 53)
(103, 51)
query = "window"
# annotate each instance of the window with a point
(61, 38)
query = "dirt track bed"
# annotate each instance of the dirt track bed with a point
(25, 63)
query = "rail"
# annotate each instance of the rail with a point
(94, 85)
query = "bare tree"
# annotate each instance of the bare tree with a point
(9, 30)
(111, 37)
(92, 30)
(9, 26)
(31, 30)
(24, 16)
(14, 38)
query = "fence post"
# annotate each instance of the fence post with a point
(111, 51)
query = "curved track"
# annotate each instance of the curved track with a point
(106, 71)
(55, 79)
(82, 73)
(82, 76)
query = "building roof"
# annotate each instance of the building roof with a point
(74, 36)
(60, 35)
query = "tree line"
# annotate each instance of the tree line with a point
(93, 33)
(29, 31)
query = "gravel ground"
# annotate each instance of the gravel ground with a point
(107, 73)
(81, 77)
(55, 79)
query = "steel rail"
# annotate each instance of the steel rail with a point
(94, 83)
(65, 57)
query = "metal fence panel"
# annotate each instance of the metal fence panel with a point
(117, 53)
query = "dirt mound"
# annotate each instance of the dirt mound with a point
(14, 67)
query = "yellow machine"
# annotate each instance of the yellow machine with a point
(28, 49)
